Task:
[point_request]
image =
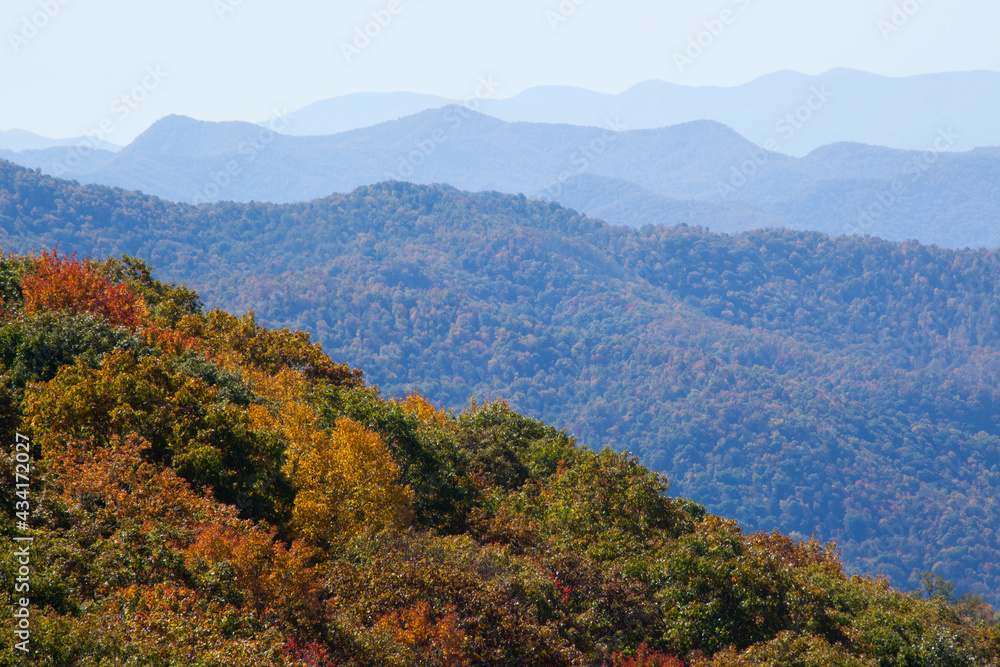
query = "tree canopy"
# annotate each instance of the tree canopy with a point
(197, 500)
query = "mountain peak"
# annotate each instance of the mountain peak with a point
(181, 135)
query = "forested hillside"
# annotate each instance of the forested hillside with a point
(845, 387)
(193, 490)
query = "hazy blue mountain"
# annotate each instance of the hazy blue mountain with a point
(22, 140)
(351, 112)
(846, 106)
(187, 160)
(62, 161)
(616, 200)
(699, 173)
(790, 112)
(953, 202)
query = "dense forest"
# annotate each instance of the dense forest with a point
(844, 387)
(199, 490)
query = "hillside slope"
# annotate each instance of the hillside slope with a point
(193, 489)
(840, 386)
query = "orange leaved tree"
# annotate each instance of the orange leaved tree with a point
(67, 284)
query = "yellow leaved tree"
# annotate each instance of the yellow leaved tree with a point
(345, 480)
(428, 415)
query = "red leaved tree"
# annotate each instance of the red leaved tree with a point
(645, 657)
(65, 283)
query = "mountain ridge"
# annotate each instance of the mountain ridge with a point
(791, 380)
(700, 172)
(754, 109)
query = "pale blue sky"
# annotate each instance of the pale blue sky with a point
(65, 64)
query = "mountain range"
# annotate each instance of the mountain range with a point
(842, 386)
(699, 173)
(790, 112)
(798, 112)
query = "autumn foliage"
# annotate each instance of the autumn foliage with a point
(64, 283)
(644, 657)
(207, 492)
(346, 480)
(418, 405)
(429, 638)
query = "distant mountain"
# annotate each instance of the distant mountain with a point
(186, 160)
(843, 386)
(22, 140)
(351, 112)
(62, 161)
(698, 173)
(797, 112)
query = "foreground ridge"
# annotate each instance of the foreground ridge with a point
(206, 491)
